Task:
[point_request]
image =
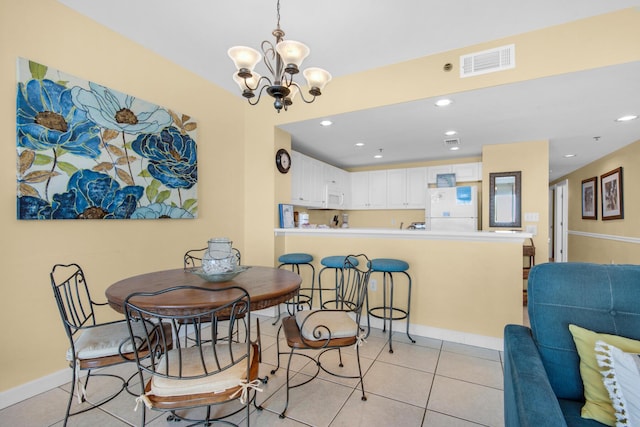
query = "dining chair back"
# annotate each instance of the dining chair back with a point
(193, 257)
(92, 345)
(330, 328)
(214, 371)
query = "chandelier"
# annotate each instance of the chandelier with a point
(283, 62)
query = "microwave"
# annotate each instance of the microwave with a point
(333, 197)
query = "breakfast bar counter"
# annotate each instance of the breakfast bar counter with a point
(466, 285)
(478, 236)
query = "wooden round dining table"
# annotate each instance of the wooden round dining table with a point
(267, 287)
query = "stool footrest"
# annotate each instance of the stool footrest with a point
(390, 313)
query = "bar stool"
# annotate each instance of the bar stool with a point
(335, 262)
(387, 267)
(295, 260)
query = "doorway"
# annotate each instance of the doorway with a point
(559, 211)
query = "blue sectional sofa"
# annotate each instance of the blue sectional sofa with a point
(542, 382)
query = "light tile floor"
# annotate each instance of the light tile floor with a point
(430, 383)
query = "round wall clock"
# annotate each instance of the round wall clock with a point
(283, 160)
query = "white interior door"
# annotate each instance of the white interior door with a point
(560, 221)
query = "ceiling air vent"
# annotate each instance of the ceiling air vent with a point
(488, 61)
(452, 142)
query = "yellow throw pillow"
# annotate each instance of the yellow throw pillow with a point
(598, 403)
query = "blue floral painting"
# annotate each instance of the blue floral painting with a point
(89, 152)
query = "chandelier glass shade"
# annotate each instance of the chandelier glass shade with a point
(283, 62)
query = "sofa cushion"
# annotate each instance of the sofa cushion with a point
(598, 403)
(598, 297)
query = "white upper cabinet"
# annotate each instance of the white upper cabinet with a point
(307, 184)
(369, 190)
(313, 181)
(465, 172)
(434, 171)
(406, 188)
(335, 177)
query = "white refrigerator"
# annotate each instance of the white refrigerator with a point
(452, 209)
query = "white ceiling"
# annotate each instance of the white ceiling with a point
(568, 110)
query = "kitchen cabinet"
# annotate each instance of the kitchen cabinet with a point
(307, 184)
(434, 171)
(406, 188)
(369, 190)
(465, 172)
(336, 180)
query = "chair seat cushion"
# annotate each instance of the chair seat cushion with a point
(102, 341)
(324, 322)
(295, 258)
(337, 261)
(389, 265)
(192, 366)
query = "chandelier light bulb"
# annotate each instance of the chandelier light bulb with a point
(292, 53)
(244, 58)
(248, 84)
(292, 94)
(317, 79)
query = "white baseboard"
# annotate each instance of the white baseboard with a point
(35, 387)
(442, 334)
(56, 379)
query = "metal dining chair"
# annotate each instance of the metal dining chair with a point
(193, 259)
(329, 329)
(92, 345)
(215, 371)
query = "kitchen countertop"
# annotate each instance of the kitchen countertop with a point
(395, 233)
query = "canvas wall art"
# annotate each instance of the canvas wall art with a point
(86, 151)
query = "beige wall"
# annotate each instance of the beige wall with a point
(612, 241)
(238, 179)
(108, 250)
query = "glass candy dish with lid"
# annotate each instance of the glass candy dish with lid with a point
(219, 257)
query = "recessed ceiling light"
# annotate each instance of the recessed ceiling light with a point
(450, 132)
(626, 118)
(326, 123)
(568, 156)
(443, 102)
(454, 148)
(377, 156)
(359, 144)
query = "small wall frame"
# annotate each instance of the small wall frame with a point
(590, 198)
(611, 191)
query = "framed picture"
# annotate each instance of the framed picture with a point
(445, 180)
(611, 191)
(590, 198)
(286, 216)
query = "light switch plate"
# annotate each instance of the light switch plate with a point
(532, 216)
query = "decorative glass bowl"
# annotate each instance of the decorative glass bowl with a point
(219, 277)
